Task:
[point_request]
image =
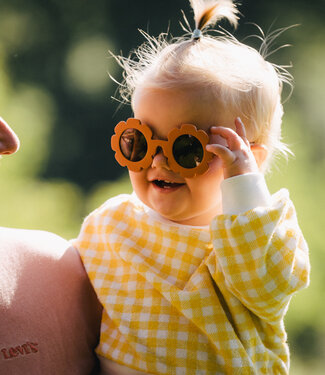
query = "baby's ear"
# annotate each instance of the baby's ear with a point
(260, 153)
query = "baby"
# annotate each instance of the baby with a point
(196, 268)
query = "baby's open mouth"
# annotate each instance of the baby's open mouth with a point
(163, 184)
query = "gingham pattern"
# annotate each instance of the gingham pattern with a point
(183, 300)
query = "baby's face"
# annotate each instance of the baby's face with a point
(191, 201)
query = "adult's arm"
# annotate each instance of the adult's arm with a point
(49, 313)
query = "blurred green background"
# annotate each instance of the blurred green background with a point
(56, 94)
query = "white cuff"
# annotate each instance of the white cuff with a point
(243, 193)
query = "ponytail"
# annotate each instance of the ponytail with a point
(209, 12)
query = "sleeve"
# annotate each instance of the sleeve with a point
(262, 255)
(251, 186)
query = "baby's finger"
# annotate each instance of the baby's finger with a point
(240, 129)
(233, 139)
(226, 155)
(218, 140)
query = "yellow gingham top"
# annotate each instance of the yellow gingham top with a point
(195, 300)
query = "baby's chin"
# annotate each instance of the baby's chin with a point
(168, 213)
(190, 220)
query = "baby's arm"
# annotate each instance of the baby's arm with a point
(262, 256)
(259, 247)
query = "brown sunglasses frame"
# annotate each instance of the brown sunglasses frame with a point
(137, 166)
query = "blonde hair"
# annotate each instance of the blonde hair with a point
(234, 74)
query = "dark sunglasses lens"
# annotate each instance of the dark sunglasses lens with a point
(133, 144)
(188, 151)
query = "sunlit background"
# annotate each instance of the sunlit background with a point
(56, 93)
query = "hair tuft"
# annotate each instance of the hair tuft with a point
(209, 12)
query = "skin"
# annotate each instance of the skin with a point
(198, 199)
(9, 142)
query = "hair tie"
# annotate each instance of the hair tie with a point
(197, 33)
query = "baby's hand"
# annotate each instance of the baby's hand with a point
(237, 157)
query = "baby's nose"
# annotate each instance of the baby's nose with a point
(159, 159)
(9, 142)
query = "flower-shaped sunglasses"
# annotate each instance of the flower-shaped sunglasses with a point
(184, 148)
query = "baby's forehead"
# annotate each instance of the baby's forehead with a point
(158, 133)
(165, 109)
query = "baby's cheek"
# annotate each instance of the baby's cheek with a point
(211, 179)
